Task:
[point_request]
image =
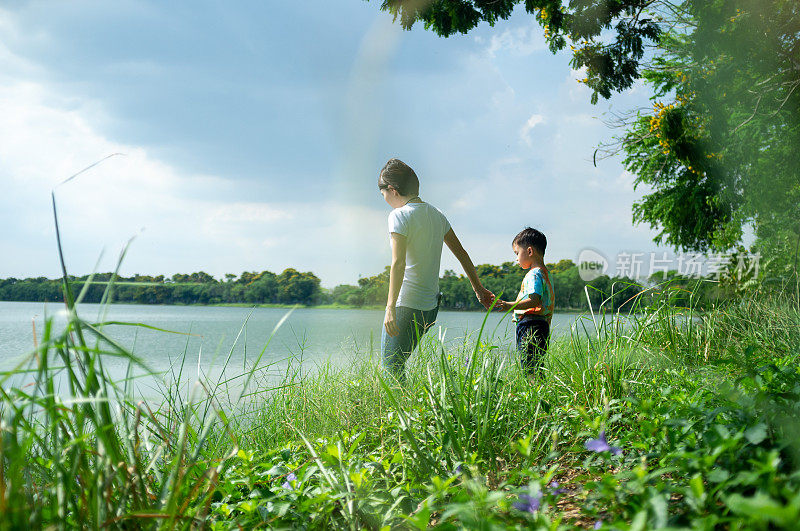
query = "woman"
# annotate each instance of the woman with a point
(417, 231)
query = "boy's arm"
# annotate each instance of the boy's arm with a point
(532, 299)
(396, 272)
(484, 295)
(534, 302)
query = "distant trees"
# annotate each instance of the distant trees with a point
(298, 288)
(30, 289)
(295, 287)
(571, 291)
(258, 287)
(347, 295)
(375, 289)
(200, 276)
(290, 287)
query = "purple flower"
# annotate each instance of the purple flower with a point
(601, 445)
(458, 469)
(554, 490)
(528, 503)
(466, 363)
(289, 478)
(598, 524)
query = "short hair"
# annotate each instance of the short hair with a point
(400, 176)
(529, 237)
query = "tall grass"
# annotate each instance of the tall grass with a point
(79, 449)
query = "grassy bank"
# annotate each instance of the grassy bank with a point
(671, 422)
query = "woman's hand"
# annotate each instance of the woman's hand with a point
(485, 297)
(390, 322)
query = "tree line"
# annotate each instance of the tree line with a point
(295, 287)
(289, 287)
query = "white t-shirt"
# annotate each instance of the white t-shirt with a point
(424, 227)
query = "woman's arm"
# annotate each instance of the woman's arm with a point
(396, 272)
(484, 295)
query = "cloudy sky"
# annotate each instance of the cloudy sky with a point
(252, 136)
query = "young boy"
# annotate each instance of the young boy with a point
(533, 308)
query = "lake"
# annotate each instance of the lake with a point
(206, 334)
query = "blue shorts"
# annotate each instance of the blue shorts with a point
(411, 324)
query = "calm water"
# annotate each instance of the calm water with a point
(206, 334)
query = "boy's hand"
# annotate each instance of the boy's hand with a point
(390, 322)
(485, 297)
(502, 306)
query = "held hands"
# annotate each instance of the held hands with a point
(485, 297)
(502, 306)
(390, 322)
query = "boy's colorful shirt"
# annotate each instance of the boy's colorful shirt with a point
(534, 283)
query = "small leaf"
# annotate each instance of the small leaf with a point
(639, 522)
(247, 506)
(718, 475)
(277, 470)
(357, 478)
(763, 508)
(659, 505)
(756, 434)
(422, 517)
(247, 456)
(698, 489)
(333, 451)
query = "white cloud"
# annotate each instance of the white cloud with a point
(525, 132)
(182, 221)
(522, 41)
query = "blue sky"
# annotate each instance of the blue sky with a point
(253, 134)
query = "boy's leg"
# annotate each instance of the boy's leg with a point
(525, 347)
(532, 344)
(541, 331)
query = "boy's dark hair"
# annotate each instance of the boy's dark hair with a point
(400, 176)
(531, 238)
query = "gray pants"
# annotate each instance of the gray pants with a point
(412, 324)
